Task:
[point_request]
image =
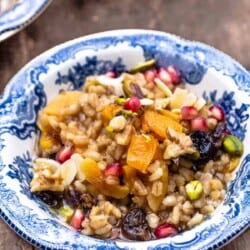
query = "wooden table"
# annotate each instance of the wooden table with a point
(225, 24)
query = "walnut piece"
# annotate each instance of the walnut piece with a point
(98, 222)
(45, 177)
(177, 144)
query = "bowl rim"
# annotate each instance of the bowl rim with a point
(112, 33)
(117, 33)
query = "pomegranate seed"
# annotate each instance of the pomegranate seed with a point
(133, 104)
(164, 76)
(111, 74)
(114, 169)
(77, 219)
(217, 112)
(199, 123)
(64, 154)
(174, 74)
(150, 75)
(188, 112)
(165, 230)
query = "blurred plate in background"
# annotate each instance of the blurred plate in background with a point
(17, 14)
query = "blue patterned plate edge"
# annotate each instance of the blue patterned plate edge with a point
(8, 29)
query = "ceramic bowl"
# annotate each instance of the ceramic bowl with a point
(208, 72)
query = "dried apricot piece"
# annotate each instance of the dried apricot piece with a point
(159, 123)
(92, 173)
(47, 142)
(129, 175)
(170, 114)
(95, 177)
(232, 165)
(61, 102)
(109, 112)
(141, 151)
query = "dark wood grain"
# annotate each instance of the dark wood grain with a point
(224, 24)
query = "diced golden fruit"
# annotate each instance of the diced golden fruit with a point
(159, 123)
(61, 102)
(141, 151)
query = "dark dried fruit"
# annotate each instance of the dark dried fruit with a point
(134, 225)
(219, 130)
(87, 201)
(52, 199)
(72, 197)
(203, 142)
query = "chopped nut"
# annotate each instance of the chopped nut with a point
(178, 144)
(45, 176)
(153, 220)
(118, 123)
(124, 137)
(99, 218)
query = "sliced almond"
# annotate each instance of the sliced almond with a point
(161, 103)
(177, 99)
(190, 100)
(163, 87)
(67, 171)
(200, 103)
(146, 102)
(78, 159)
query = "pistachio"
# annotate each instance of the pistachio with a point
(66, 213)
(194, 189)
(163, 87)
(120, 100)
(128, 113)
(143, 66)
(232, 145)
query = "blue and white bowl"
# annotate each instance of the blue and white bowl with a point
(208, 72)
(18, 17)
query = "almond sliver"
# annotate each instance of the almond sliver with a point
(177, 99)
(77, 158)
(67, 171)
(190, 100)
(200, 103)
(163, 87)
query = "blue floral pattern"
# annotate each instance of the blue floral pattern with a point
(21, 170)
(92, 66)
(237, 118)
(21, 103)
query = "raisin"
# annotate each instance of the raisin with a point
(204, 143)
(52, 199)
(72, 197)
(134, 225)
